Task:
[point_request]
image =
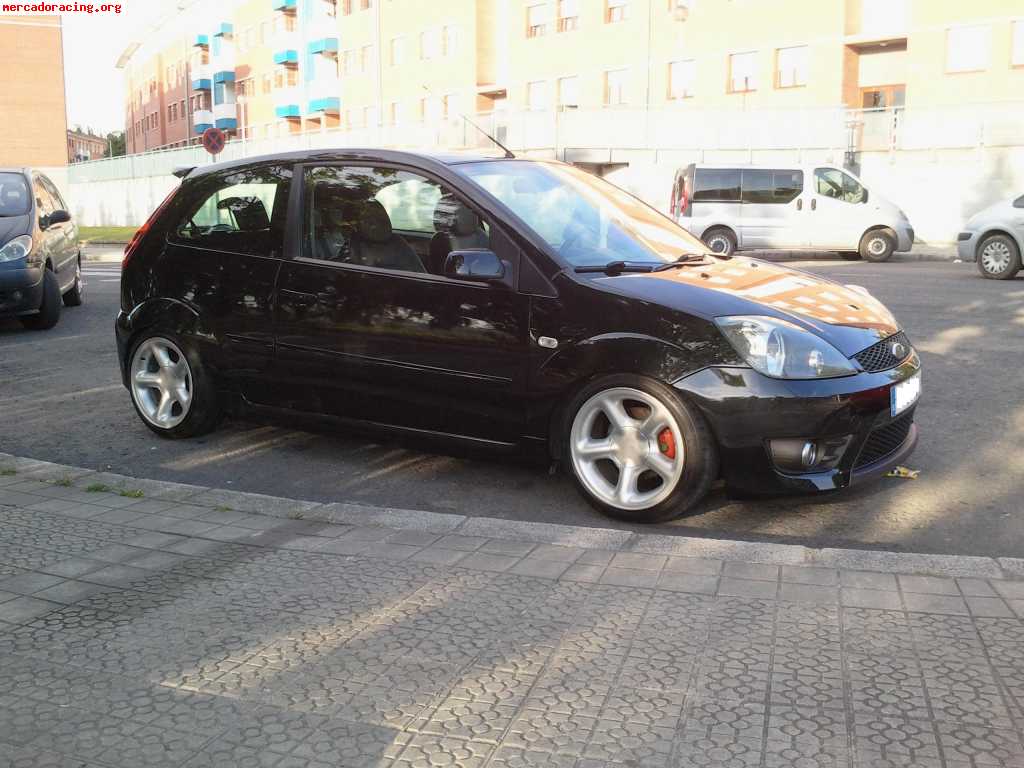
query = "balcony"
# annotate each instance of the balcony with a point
(879, 21)
(286, 103)
(225, 116)
(201, 41)
(285, 6)
(201, 77)
(201, 120)
(224, 75)
(286, 48)
(327, 45)
(224, 29)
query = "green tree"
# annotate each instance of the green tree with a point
(115, 144)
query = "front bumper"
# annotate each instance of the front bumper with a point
(904, 238)
(21, 291)
(967, 246)
(746, 410)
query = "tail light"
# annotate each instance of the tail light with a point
(129, 250)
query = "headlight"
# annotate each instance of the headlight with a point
(18, 248)
(783, 350)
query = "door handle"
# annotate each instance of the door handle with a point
(814, 204)
(800, 204)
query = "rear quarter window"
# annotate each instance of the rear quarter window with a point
(716, 185)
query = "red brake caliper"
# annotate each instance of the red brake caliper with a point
(667, 443)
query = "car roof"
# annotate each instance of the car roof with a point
(24, 171)
(341, 154)
(762, 166)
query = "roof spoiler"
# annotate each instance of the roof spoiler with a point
(182, 171)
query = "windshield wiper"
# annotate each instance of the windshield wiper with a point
(616, 268)
(683, 260)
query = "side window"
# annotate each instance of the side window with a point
(830, 182)
(44, 202)
(49, 186)
(1019, 202)
(772, 187)
(787, 185)
(241, 212)
(385, 218)
(715, 185)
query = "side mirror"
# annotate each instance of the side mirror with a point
(58, 217)
(865, 195)
(474, 264)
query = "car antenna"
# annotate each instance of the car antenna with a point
(508, 152)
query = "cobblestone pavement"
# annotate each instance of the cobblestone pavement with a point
(137, 631)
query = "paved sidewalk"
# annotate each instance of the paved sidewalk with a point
(153, 624)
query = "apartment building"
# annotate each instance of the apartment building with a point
(34, 125)
(83, 145)
(266, 68)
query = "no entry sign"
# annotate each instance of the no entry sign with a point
(213, 140)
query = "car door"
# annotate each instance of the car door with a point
(51, 234)
(66, 244)
(835, 220)
(222, 257)
(365, 331)
(771, 209)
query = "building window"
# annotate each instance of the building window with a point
(616, 10)
(430, 44)
(347, 62)
(181, 108)
(791, 67)
(743, 72)
(346, 7)
(568, 15)
(264, 27)
(450, 40)
(265, 84)
(1017, 46)
(615, 87)
(682, 76)
(537, 20)
(170, 114)
(569, 91)
(537, 95)
(967, 48)
(365, 5)
(397, 50)
(394, 113)
(286, 77)
(366, 58)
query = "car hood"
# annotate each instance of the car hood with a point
(1001, 211)
(12, 226)
(848, 317)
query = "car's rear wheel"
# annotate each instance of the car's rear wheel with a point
(637, 451)
(73, 297)
(998, 258)
(49, 310)
(172, 392)
(877, 245)
(720, 240)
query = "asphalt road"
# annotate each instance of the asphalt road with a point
(61, 400)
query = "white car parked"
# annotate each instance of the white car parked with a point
(819, 208)
(995, 239)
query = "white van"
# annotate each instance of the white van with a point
(818, 208)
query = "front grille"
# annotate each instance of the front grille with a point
(879, 357)
(884, 440)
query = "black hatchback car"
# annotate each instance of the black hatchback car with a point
(40, 258)
(508, 302)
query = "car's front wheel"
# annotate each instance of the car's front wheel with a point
(637, 451)
(998, 258)
(49, 310)
(171, 390)
(877, 246)
(720, 240)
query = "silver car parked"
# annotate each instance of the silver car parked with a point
(995, 239)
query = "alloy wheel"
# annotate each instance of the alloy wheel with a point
(161, 382)
(626, 448)
(995, 257)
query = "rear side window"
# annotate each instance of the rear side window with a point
(716, 185)
(1019, 202)
(771, 187)
(239, 212)
(44, 203)
(14, 195)
(49, 186)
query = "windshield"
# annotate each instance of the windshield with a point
(14, 198)
(588, 221)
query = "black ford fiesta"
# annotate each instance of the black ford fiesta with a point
(507, 302)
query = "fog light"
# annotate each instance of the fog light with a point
(16, 296)
(797, 455)
(809, 454)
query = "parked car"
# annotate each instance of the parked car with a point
(40, 258)
(818, 208)
(507, 303)
(994, 238)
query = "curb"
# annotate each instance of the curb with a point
(363, 515)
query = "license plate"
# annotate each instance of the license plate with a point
(905, 394)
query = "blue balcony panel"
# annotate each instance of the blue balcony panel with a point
(328, 104)
(287, 110)
(201, 41)
(286, 57)
(227, 123)
(324, 45)
(201, 84)
(284, 5)
(201, 127)
(224, 76)
(224, 29)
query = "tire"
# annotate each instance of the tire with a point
(877, 246)
(73, 296)
(686, 458)
(49, 310)
(181, 372)
(721, 241)
(850, 255)
(998, 258)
